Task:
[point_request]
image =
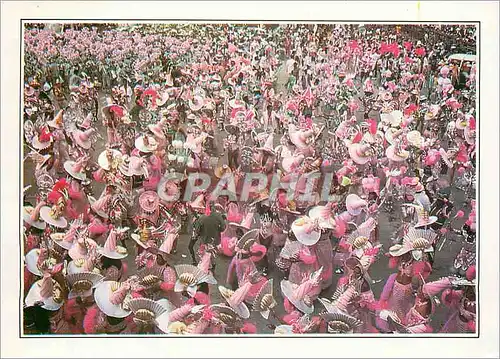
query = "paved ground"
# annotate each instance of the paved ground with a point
(379, 270)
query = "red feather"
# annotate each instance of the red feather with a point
(357, 138)
(249, 328)
(89, 322)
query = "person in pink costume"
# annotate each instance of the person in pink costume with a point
(462, 302)
(397, 295)
(243, 264)
(364, 304)
(310, 259)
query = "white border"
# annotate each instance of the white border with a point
(400, 11)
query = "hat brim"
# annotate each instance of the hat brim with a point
(283, 330)
(355, 157)
(102, 160)
(40, 145)
(61, 222)
(326, 223)
(58, 238)
(307, 239)
(432, 220)
(139, 144)
(68, 166)
(287, 288)
(112, 254)
(27, 218)
(137, 239)
(73, 268)
(102, 295)
(390, 152)
(31, 260)
(34, 296)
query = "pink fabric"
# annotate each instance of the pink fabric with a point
(227, 246)
(35, 215)
(240, 294)
(433, 288)
(118, 296)
(47, 286)
(179, 313)
(110, 244)
(233, 214)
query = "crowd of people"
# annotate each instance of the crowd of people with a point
(278, 148)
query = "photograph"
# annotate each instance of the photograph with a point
(247, 178)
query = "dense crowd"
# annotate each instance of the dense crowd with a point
(279, 147)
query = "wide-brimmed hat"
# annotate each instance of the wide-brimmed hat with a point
(360, 241)
(53, 216)
(47, 291)
(31, 215)
(189, 277)
(196, 103)
(306, 230)
(57, 122)
(324, 216)
(415, 138)
(113, 108)
(82, 248)
(109, 159)
(396, 153)
(81, 284)
(299, 295)
(38, 159)
(64, 240)
(133, 166)
(76, 169)
(111, 249)
(83, 138)
(112, 298)
(100, 206)
(146, 143)
(424, 219)
(168, 189)
(32, 260)
(264, 302)
(416, 241)
(354, 204)
(361, 153)
(149, 202)
(41, 142)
